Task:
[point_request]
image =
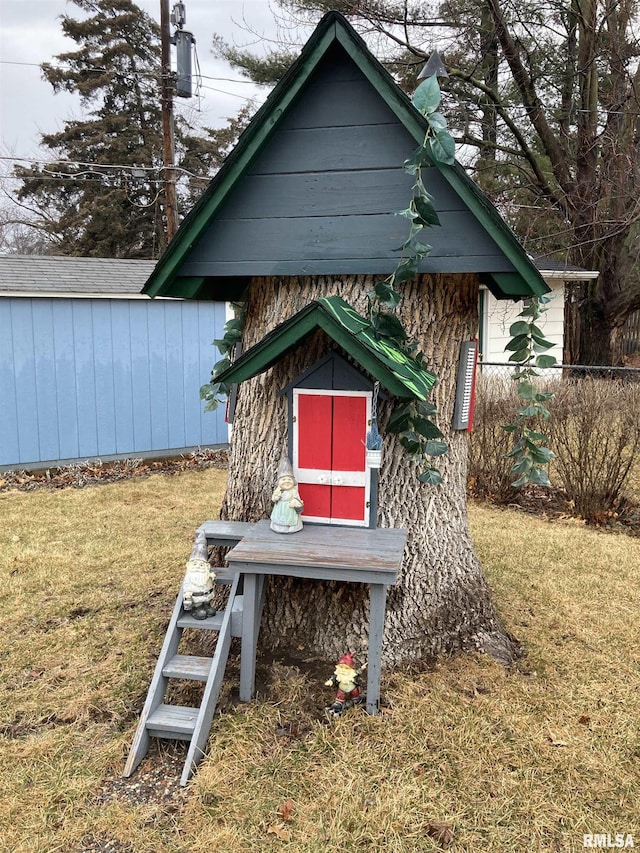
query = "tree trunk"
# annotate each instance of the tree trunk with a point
(441, 602)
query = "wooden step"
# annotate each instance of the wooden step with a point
(213, 623)
(172, 721)
(188, 666)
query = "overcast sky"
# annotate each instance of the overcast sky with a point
(30, 34)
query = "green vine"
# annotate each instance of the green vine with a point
(413, 422)
(528, 347)
(214, 392)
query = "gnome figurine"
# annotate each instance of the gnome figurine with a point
(285, 516)
(197, 587)
(346, 679)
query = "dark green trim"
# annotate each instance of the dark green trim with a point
(382, 359)
(333, 28)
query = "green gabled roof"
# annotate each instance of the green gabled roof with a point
(332, 29)
(382, 359)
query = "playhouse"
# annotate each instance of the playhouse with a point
(297, 224)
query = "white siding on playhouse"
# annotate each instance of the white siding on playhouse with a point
(499, 314)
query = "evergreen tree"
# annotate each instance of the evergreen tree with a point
(103, 194)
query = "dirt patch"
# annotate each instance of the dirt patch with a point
(94, 472)
(552, 504)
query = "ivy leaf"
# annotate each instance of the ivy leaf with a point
(408, 213)
(546, 361)
(437, 121)
(522, 466)
(443, 147)
(542, 455)
(390, 326)
(436, 448)
(541, 346)
(386, 293)
(426, 428)
(519, 328)
(426, 97)
(419, 158)
(509, 427)
(400, 420)
(410, 445)
(219, 367)
(405, 272)
(527, 391)
(539, 477)
(426, 211)
(520, 356)
(426, 409)
(532, 435)
(528, 411)
(517, 343)
(431, 476)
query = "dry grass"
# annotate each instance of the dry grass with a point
(526, 760)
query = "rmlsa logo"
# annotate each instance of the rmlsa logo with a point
(605, 840)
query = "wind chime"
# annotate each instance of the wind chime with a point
(374, 439)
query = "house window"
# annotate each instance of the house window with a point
(329, 432)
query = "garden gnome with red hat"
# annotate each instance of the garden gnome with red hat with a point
(345, 679)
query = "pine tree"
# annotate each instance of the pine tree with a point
(103, 194)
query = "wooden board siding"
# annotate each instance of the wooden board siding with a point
(321, 195)
(82, 378)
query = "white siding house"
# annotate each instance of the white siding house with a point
(497, 315)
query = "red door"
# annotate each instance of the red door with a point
(329, 460)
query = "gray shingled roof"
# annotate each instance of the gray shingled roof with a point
(53, 274)
(57, 274)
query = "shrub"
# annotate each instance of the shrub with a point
(594, 431)
(489, 470)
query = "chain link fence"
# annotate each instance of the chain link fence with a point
(503, 370)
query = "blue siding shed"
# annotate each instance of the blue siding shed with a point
(89, 368)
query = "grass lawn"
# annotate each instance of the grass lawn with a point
(468, 756)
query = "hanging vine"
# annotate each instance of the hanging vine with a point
(215, 392)
(528, 347)
(413, 422)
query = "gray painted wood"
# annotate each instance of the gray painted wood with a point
(309, 238)
(168, 721)
(324, 194)
(189, 667)
(349, 266)
(176, 722)
(356, 554)
(211, 692)
(341, 554)
(157, 689)
(223, 532)
(377, 607)
(375, 146)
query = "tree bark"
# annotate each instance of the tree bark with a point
(441, 602)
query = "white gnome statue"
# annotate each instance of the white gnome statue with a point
(199, 578)
(285, 516)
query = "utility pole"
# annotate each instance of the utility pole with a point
(168, 147)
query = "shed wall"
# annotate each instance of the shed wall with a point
(82, 378)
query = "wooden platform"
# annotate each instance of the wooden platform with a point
(347, 554)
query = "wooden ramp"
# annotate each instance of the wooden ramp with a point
(177, 722)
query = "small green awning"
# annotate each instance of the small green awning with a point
(380, 357)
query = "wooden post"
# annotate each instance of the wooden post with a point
(168, 148)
